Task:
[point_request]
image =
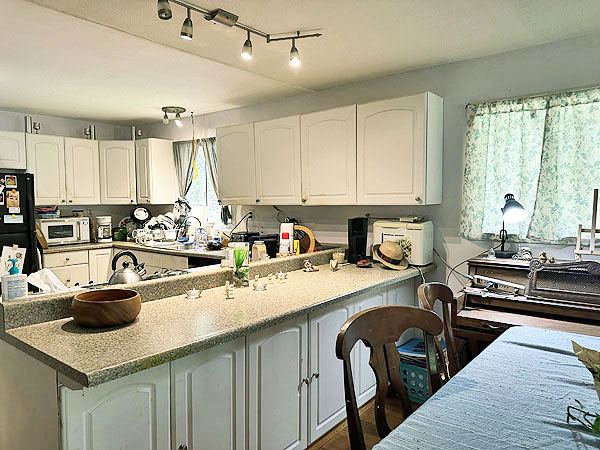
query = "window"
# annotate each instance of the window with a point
(202, 196)
(546, 151)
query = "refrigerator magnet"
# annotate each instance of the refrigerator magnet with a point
(14, 210)
(11, 181)
(12, 199)
(1, 198)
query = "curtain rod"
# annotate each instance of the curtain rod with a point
(541, 94)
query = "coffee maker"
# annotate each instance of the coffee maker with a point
(357, 239)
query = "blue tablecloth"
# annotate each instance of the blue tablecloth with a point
(513, 395)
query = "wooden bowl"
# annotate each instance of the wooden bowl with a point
(106, 307)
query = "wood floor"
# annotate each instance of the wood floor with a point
(337, 439)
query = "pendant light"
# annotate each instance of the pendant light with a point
(178, 120)
(247, 48)
(164, 10)
(166, 119)
(294, 55)
(187, 29)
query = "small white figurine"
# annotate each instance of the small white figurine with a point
(281, 276)
(228, 290)
(270, 278)
(255, 280)
(334, 264)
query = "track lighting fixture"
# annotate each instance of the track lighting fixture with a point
(294, 55)
(247, 48)
(164, 10)
(187, 29)
(178, 120)
(177, 110)
(225, 18)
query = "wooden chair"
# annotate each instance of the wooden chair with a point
(379, 328)
(429, 294)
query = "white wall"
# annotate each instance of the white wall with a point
(563, 65)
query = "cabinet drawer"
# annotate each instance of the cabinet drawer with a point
(71, 275)
(66, 259)
(174, 262)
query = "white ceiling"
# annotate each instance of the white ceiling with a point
(89, 68)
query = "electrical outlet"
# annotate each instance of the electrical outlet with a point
(251, 214)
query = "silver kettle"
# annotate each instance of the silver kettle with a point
(126, 275)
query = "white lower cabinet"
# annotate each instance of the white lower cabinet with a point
(364, 378)
(327, 404)
(277, 387)
(100, 264)
(129, 413)
(210, 399)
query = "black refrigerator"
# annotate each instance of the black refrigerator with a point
(17, 224)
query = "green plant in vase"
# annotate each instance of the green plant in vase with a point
(240, 269)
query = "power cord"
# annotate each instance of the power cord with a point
(453, 269)
(421, 273)
(247, 217)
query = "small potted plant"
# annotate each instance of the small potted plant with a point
(240, 267)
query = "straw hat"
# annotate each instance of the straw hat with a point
(390, 254)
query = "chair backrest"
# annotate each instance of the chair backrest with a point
(379, 328)
(429, 294)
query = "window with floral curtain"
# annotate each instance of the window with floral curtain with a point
(546, 151)
(202, 196)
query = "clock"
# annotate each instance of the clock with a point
(141, 214)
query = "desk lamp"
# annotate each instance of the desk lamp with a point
(513, 212)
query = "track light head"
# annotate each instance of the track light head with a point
(165, 119)
(164, 10)
(294, 55)
(178, 120)
(187, 29)
(247, 48)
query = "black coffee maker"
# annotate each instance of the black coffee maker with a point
(357, 239)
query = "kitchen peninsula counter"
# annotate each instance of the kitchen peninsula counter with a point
(174, 327)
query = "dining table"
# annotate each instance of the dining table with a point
(513, 395)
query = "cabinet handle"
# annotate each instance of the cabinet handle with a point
(257, 201)
(417, 198)
(489, 326)
(314, 375)
(182, 447)
(131, 201)
(303, 200)
(70, 201)
(68, 281)
(63, 201)
(67, 258)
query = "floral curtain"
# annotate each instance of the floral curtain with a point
(545, 150)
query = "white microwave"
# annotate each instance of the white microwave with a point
(70, 230)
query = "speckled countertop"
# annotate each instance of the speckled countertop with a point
(127, 245)
(174, 327)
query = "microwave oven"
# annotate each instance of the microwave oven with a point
(69, 230)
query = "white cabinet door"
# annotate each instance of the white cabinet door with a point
(155, 172)
(100, 264)
(364, 378)
(129, 413)
(277, 403)
(142, 170)
(46, 160)
(399, 151)
(328, 147)
(210, 398)
(327, 402)
(82, 171)
(117, 172)
(277, 153)
(235, 158)
(12, 150)
(403, 293)
(72, 275)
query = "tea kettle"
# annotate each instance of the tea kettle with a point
(126, 275)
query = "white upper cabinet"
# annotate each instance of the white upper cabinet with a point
(277, 158)
(12, 150)
(155, 171)
(399, 151)
(328, 147)
(235, 160)
(46, 161)
(117, 172)
(82, 171)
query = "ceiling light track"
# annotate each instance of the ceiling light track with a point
(228, 19)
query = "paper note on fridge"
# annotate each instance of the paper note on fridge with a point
(12, 218)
